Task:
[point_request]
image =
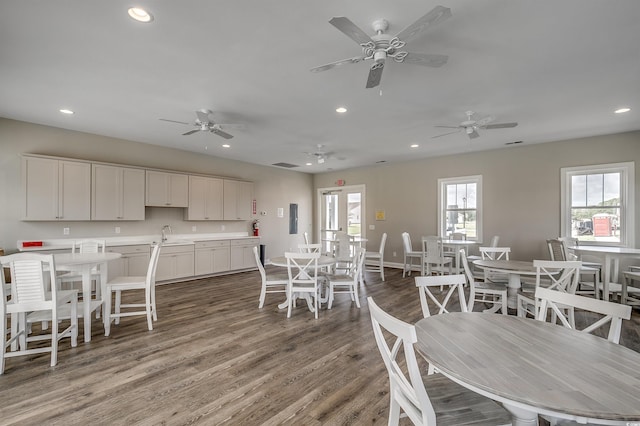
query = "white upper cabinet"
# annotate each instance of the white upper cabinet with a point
(238, 199)
(167, 189)
(205, 198)
(118, 193)
(56, 189)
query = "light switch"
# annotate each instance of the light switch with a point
(372, 227)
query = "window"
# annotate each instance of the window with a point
(460, 206)
(597, 204)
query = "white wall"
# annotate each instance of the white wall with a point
(521, 190)
(274, 187)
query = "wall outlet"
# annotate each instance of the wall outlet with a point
(222, 227)
(372, 227)
(394, 254)
(65, 231)
(117, 229)
(193, 228)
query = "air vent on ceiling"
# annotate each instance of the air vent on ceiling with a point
(287, 165)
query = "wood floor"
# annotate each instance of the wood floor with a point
(215, 358)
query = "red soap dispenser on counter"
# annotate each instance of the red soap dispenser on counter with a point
(256, 228)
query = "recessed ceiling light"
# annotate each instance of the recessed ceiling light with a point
(341, 110)
(66, 111)
(226, 145)
(622, 110)
(415, 145)
(140, 15)
(309, 164)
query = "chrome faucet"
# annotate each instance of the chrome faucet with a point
(164, 232)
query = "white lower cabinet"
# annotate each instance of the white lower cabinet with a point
(242, 256)
(134, 261)
(175, 262)
(212, 257)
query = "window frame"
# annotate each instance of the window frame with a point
(442, 206)
(627, 200)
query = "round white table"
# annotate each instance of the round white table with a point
(533, 367)
(514, 269)
(84, 263)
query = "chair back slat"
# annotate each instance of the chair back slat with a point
(28, 280)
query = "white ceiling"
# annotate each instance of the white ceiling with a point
(557, 67)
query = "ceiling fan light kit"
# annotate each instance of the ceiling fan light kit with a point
(382, 45)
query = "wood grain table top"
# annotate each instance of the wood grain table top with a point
(549, 368)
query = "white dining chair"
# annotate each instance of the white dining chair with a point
(558, 251)
(433, 259)
(484, 292)
(630, 294)
(611, 313)
(408, 396)
(302, 270)
(453, 284)
(347, 283)
(495, 253)
(555, 275)
(272, 282)
(343, 252)
(135, 284)
(377, 257)
(30, 302)
(310, 248)
(409, 254)
(472, 257)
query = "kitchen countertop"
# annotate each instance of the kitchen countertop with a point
(173, 239)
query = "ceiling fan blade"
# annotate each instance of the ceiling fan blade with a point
(203, 116)
(484, 121)
(450, 127)
(444, 134)
(500, 125)
(435, 16)
(426, 59)
(173, 121)
(221, 133)
(325, 67)
(375, 74)
(473, 134)
(190, 132)
(350, 29)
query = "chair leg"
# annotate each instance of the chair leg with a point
(262, 296)
(54, 342)
(149, 310)
(330, 303)
(74, 323)
(355, 295)
(153, 303)
(381, 269)
(394, 411)
(107, 313)
(117, 306)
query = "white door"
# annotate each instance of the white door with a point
(341, 209)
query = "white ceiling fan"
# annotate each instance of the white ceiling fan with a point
(205, 123)
(381, 45)
(471, 126)
(320, 154)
